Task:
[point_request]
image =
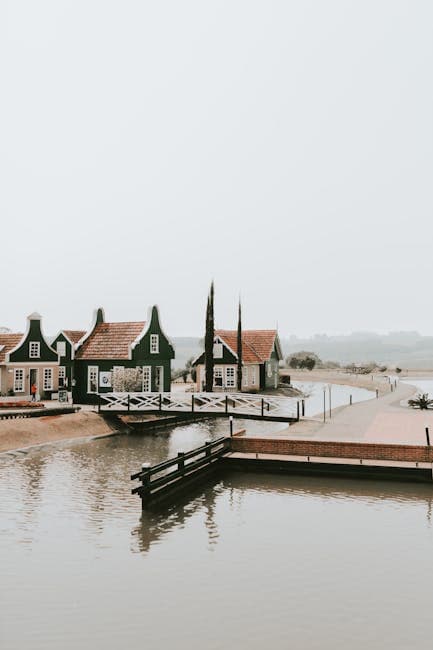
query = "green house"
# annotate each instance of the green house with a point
(122, 357)
(65, 343)
(26, 360)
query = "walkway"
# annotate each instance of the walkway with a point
(375, 420)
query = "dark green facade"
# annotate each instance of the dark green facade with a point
(67, 360)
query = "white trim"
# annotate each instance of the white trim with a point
(48, 379)
(147, 370)
(154, 339)
(217, 338)
(146, 329)
(37, 349)
(91, 369)
(23, 389)
(30, 318)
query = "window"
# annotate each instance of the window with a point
(253, 379)
(230, 377)
(62, 376)
(154, 343)
(218, 351)
(48, 379)
(245, 376)
(18, 380)
(146, 380)
(61, 349)
(269, 368)
(218, 377)
(92, 379)
(34, 349)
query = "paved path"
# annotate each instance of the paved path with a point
(376, 420)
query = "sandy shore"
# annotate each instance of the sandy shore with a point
(18, 434)
(371, 382)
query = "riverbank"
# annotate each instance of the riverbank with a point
(22, 433)
(370, 382)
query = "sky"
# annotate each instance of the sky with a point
(282, 148)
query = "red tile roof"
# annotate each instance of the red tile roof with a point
(7, 343)
(257, 345)
(110, 341)
(74, 335)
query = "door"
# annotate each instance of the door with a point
(34, 379)
(159, 379)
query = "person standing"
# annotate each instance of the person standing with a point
(33, 391)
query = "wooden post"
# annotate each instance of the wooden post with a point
(377, 393)
(208, 444)
(192, 403)
(427, 435)
(231, 425)
(160, 401)
(227, 404)
(303, 407)
(263, 407)
(350, 400)
(181, 461)
(297, 411)
(129, 400)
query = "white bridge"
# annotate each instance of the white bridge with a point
(285, 409)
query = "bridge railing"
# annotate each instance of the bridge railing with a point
(224, 403)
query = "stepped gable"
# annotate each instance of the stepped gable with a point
(110, 341)
(257, 345)
(7, 343)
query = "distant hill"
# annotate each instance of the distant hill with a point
(408, 350)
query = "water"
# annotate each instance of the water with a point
(423, 385)
(338, 394)
(247, 562)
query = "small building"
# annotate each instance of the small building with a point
(65, 343)
(261, 354)
(117, 357)
(27, 359)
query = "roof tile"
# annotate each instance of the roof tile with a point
(110, 341)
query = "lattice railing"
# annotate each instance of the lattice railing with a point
(235, 403)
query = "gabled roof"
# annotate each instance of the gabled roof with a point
(7, 343)
(257, 345)
(74, 335)
(110, 341)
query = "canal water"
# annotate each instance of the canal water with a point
(321, 395)
(248, 562)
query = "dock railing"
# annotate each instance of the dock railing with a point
(176, 470)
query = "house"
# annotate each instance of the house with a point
(27, 359)
(261, 354)
(65, 343)
(127, 356)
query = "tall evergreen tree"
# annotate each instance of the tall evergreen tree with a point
(209, 340)
(239, 348)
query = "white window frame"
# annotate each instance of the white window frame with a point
(61, 348)
(48, 379)
(147, 379)
(230, 377)
(218, 373)
(92, 370)
(34, 350)
(62, 376)
(154, 344)
(19, 383)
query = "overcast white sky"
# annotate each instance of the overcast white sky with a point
(284, 148)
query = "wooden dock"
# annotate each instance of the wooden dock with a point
(164, 481)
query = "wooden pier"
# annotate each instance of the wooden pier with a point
(307, 457)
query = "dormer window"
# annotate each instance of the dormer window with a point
(217, 350)
(61, 348)
(154, 343)
(34, 349)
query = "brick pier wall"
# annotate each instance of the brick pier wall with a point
(415, 453)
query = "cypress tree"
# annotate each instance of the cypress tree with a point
(208, 341)
(239, 348)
